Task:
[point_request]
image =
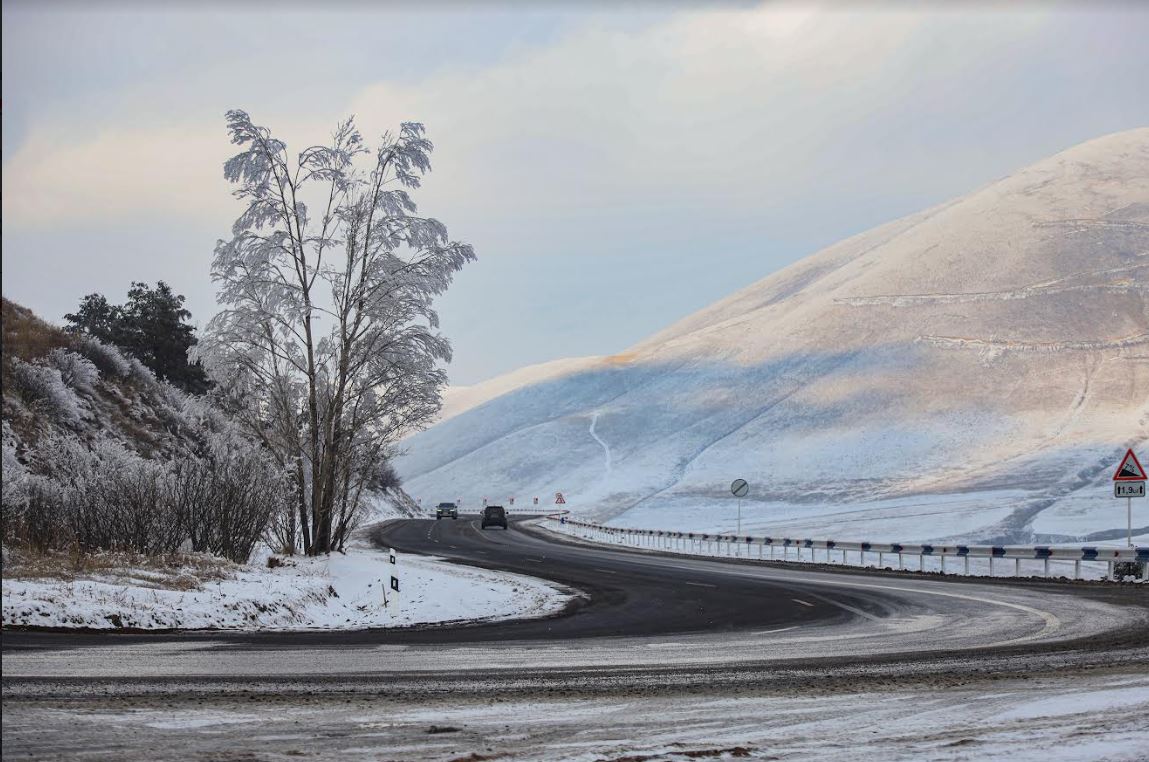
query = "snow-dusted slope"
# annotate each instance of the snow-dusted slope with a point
(993, 350)
(459, 399)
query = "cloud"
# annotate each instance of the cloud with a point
(722, 114)
(117, 176)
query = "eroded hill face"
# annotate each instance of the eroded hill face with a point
(969, 371)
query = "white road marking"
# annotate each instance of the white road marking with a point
(771, 632)
(605, 571)
(804, 603)
(700, 584)
(1050, 620)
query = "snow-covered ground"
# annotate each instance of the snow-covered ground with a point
(338, 591)
(1072, 718)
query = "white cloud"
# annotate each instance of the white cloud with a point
(732, 111)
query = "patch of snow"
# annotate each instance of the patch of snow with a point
(340, 591)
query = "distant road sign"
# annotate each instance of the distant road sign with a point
(740, 488)
(1129, 489)
(559, 499)
(1130, 469)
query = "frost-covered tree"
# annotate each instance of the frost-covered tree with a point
(327, 340)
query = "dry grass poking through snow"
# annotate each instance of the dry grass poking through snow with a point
(177, 571)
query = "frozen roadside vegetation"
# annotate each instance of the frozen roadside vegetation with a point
(340, 591)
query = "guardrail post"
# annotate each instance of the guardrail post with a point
(1017, 567)
(1047, 568)
(899, 560)
(991, 564)
(943, 562)
(881, 559)
(967, 565)
(1077, 569)
(1110, 575)
(921, 561)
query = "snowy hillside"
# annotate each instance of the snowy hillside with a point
(971, 371)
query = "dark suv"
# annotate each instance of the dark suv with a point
(494, 516)
(446, 510)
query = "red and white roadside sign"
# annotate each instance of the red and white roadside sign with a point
(1130, 469)
(1129, 482)
(559, 499)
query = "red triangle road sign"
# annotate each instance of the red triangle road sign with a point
(1130, 469)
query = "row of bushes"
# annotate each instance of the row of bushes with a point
(79, 413)
(105, 497)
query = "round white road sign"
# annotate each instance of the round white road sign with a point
(740, 488)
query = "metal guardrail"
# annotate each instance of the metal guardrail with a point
(699, 543)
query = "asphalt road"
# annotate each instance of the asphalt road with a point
(693, 610)
(657, 649)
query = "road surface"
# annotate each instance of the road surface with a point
(669, 630)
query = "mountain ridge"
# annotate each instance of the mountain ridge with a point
(1005, 326)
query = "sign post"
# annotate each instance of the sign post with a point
(1129, 482)
(740, 489)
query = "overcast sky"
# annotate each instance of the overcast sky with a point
(615, 169)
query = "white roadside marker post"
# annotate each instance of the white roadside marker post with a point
(394, 558)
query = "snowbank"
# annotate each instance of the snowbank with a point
(337, 592)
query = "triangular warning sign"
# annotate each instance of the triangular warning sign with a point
(1130, 469)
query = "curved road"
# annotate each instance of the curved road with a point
(659, 655)
(641, 609)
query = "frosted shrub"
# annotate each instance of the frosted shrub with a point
(13, 487)
(39, 525)
(44, 387)
(141, 373)
(106, 498)
(227, 497)
(76, 371)
(107, 358)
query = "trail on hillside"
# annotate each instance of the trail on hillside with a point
(605, 447)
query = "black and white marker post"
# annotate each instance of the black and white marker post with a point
(740, 489)
(393, 557)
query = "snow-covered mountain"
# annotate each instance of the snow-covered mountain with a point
(974, 370)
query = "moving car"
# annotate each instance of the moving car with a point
(494, 516)
(446, 510)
